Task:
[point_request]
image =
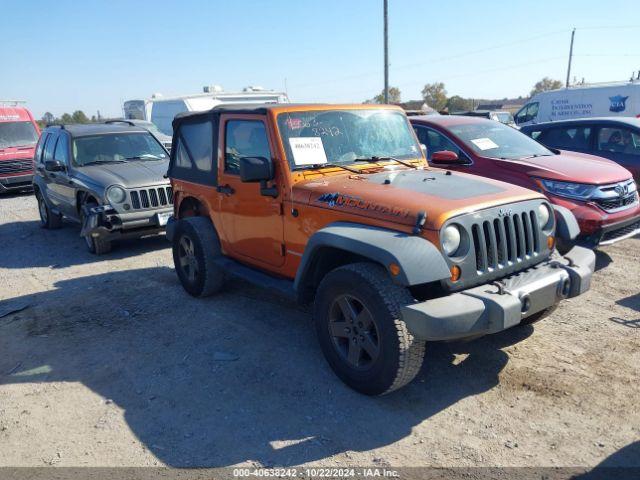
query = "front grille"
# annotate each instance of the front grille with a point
(621, 232)
(16, 166)
(503, 241)
(608, 204)
(153, 197)
(497, 242)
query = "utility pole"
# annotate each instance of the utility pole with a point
(386, 52)
(573, 34)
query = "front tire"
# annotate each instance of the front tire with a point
(358, 323)
(48, 219)
(95, 245)
(195, 248)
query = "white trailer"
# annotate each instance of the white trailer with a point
(161, 110)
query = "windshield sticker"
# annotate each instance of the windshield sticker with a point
(484, 143)
(308, 150)
(294, 123)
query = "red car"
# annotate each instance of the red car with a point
(601, 194)
(19, 134)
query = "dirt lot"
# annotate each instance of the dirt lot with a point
(112, 364)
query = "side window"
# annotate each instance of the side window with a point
(195, 158)
(38, 155)
(437, 142)
(62, 150)
(567, 138)
(618, 140)
(50, 147)
(244, 138)
(162, 114)
(527, 113)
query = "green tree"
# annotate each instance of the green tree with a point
(544, 85)
(48, 118)
(394, 96)
(66, 118)
(435, 95)
(79, 117)
(459, 104)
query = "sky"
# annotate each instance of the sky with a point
(92, 55)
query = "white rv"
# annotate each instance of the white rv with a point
(620, 99)
(161, 110)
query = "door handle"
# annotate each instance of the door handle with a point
(226, 189)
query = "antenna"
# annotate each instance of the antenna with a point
(386, 51)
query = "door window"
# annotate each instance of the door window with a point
(244, 138)
(62, 150)
(436, 142)
(50, 147)
(527, 113)
(619, 140)
(38, 155)
(567, 138)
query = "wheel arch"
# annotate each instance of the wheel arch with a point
(341, 243)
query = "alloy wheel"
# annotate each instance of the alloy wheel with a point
(354, 333)
(188, 260)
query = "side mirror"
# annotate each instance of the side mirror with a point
(256, 169)
(445, 156)
(54, 166)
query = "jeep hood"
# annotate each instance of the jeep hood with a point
(400, 195)
(569, 167)
(132, 174)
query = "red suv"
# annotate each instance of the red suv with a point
(601, 194)
(19, 134)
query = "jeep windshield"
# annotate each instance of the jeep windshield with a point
(496, 140)
(116, 148)
(323, 137)
(17, 134)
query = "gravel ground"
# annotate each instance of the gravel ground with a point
(111, 363)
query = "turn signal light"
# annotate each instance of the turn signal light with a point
(394, 268)
(455, 273)
(550, 242)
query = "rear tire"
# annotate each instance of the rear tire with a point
(95, 245)
(363, 338)
(48, 219)
(195, 248)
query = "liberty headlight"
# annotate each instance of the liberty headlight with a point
(116, 194)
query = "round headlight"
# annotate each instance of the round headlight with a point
(116, 194)
(543, 216)
(450, 239)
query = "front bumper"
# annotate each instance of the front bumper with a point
(491, 308)
(16, 182)
(105, 222)
(615, 232)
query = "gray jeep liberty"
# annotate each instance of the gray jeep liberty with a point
(109, 178)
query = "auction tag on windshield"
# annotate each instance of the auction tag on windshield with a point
(484, 143)
(307, 150)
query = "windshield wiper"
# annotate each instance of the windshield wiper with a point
(146, 155)
(335, 165)
(535, 155)
(375, 159)
(97, 162)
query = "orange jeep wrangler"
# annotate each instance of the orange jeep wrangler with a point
(337, 205)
